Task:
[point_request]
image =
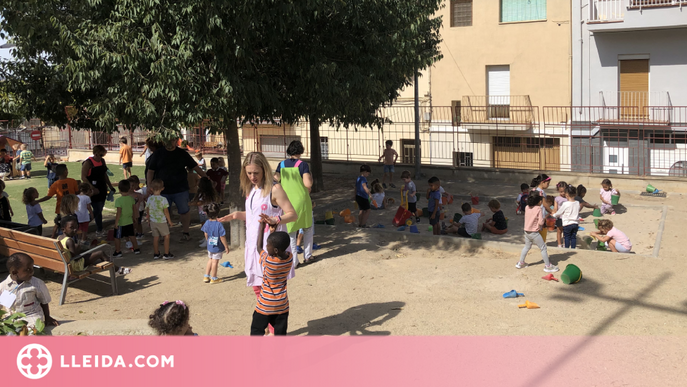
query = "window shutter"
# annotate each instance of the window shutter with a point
(498, 85)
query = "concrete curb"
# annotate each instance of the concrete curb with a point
(137, 327)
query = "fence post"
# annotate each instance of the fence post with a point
(348, 147)
(69, 131)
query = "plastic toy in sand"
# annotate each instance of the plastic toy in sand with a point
(402, 214)
(402, 228)
(349, 219)
(409, 222)
(551, 223)
(571, 275)
(457, 217)
(377, 225)
(414, 229)
(529, 305)
(649, 188)
(329, 218)
(615, 199)
(474, 199)
(345, 213)
(549, 277)
(597, 213)
(418, 213)
(512, 294)
(226, 264)
(430, 229)
(477, 235)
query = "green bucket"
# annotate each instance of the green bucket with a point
(597, 213)
(572, 274)
(601, 246)
(615, 199)
(319, 222)
(650, 188)
(596, 223)
(477, 235)
(588, 241)
(456, 217)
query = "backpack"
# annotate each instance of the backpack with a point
(523, 202)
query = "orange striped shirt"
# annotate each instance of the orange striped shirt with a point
(273, 298)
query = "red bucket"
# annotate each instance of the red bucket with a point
(475, 200)
(551, 223)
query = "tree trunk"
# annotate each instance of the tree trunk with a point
(237, 231)
(315, 154)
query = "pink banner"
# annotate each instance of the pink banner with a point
(344, 361)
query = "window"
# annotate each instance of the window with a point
(408, 149)
(324, 147)
(461, 13)
(462, 159)
(455, 112)
(522, 10)
(498, 88)
(612, 158)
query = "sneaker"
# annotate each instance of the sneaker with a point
(215, 280)
(520, 265)
(137, 251)
(100, 234)
(157, 256)
(167, 257)
(417, 219)
(613, 213)
(384, 185)
(518, 212)
(122, 271)
(117, 254)
(299, 250)
(560, 246)
(392, 185)
(206, 279)
(129, 245)
(551, 269)
(139, 235)
(315, 246)
(204, 244)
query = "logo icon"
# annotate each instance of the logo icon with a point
(34, 361)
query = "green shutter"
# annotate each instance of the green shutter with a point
(522, 10)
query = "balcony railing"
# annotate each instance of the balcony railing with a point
(638, 105)
(614, 10)
(504, 109)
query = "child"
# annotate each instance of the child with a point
(84, 213)
(549, 204)
(390, 156)
(207, 194)
(379, 199)
(216, 238)
(157, 213)
(540, 184)
(581, 192)
(411, 189)
(63, 186)
(497, 224)
(139, 194)
(30, 295)
(534, 220)
(201, 161)
(217, 175)
(569, 212)
(5, 165)
(273, 301)
(223, 167)
(561, 187)
(605, 194)
(50, 165)
(33, 209)
(362, 195)
(467, 225)
(616, 239)
(6, 212)
(25, 157)
(126, 157)
(171, 319)
(70, 249)
(521, 201)
(434, 206)
(124, 222)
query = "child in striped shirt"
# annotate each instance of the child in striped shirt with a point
(273, 302)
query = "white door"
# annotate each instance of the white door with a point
(616, 159)
(324, 147)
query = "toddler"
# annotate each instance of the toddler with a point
(534, 220)
(126, 157)
(50, 165)
(217, 175)
(379, 199)
(201, 161)
(29, 294)
(6, 212)
(25, 158)
(569, 212)
(605, 194)
(497, 224)
(616, 239)
(207, 194)
(390, 156)
(157, 211)
(558, 201)
(68, 206)
(540, 184)
(63, 186)
(581, 192)
(171, 319)
(139, 194)
(5, 165)
(434, 206)
(521, 201)
(411, 189)
(216, 242)
(33, 209)
(84, 212)
(124, 221)
(362, 195)
(273, 301)
(467, 225)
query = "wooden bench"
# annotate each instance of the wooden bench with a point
(47, 254)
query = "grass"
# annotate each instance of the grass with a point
(15, 189)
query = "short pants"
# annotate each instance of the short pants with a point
(159, 229)
(77, 265)
(83, 227)
(215, 255)
(412, 207)
(435, 219)
(25, 167)
(127, 165)
(125, 231)
(363, 203)
(388, 169)
(181, 200)
(621, 248)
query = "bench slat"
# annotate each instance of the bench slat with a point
(28, 238)
(38, 260)
(32, 249)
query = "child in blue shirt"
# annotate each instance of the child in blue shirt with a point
(216, 238)
(434, 207)
(362, 195)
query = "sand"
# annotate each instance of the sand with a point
(369, 282)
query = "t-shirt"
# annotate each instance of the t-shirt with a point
(470, 222)
(82, 213)
(378, 198)
(411, 189)
(51, 170)
(580, 199)
(156, 205)
(273, 298)
(170, 167)
(26, 157)
(215, 231)
(201, 164)
(30, 295)
(560, 200)
(32, 212)
(569, 212)
(433, 196)
(127, 153)
(606, 195)
(217, 176)
(499, 220)
(303, 167)
(359, 190)
(63, 187)
(619, 237)
(126, 203)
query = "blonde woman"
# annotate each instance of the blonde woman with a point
(262, 198)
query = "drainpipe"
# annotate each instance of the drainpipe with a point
(581, 57)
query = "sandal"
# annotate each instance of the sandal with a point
(186, 236)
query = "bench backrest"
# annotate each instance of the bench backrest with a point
(44, 251)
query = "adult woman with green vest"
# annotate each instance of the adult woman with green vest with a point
(294, 175)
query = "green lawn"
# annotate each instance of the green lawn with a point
(15, 189)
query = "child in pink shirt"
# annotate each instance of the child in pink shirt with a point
(534, 220)
(616, 239)
(606, 193)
